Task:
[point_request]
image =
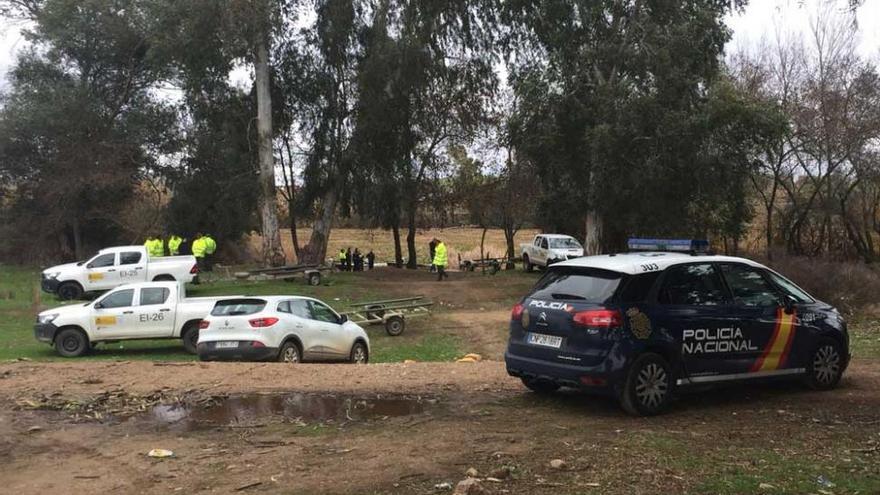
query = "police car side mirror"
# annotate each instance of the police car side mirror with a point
(788, 303)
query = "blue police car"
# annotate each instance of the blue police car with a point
(667, 315)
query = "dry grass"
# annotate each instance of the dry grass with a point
(459, 240)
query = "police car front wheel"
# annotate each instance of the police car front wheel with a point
(825, 366)
(648, 386)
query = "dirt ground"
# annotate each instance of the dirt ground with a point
(87, 427)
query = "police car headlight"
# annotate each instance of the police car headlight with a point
(48, 318)
(52, 274)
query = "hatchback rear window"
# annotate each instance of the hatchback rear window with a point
(577, 284)
(238, 307)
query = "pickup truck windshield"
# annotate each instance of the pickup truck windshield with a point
(564, 244)
(238, 307)
(577, 284)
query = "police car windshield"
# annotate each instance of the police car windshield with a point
(564, 243)
(577, 284)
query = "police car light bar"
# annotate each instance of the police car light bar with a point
(678, 245)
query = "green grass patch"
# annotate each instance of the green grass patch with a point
(737, 469)
(428, 347)
(865, 338)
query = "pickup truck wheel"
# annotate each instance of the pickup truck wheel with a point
(69, 290)
(527, 265)
(359, 353)
(289, 353)
(71, 342)
(190, 339)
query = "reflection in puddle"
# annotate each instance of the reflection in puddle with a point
(250, 409)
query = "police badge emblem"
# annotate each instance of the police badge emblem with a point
(639, 323)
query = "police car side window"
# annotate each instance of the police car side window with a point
(749, 287)
(693, 285)
(638, 287)
(789, 288)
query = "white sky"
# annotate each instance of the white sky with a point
(759, 20)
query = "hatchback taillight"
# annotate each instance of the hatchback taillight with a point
(263, 322)
(204, 324)
(598, 318)
(516, 312)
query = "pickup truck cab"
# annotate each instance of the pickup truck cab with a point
(113, 267)
(148, 310)
(546, 249)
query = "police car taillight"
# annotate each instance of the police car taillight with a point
(204, 324)
(517, 311)
(263, 322)
(598, 318)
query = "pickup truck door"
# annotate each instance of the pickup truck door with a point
(154, 315)
(541, 248)
(332, 339)
(113, 315)
(132, 267)
(101, 273)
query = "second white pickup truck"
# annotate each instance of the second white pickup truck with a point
(149, 310)
(113, 267)
(546, 249)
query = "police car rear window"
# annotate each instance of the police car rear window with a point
(577, 284)
(238, 307)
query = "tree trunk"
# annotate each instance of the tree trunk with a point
(293, 237)
(398, 252)
(77, 239)
(316, 250)
(593, 236)
(482, 244)
(413, 261)
(273, 252)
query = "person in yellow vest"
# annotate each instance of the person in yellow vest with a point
(148, 245)
(174, 242)
(440, 259)
(158, 247)
(340, 258)
(210, 249)
(198, 249)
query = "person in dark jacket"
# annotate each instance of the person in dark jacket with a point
(371, 258)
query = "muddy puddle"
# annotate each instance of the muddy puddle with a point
(244, 410)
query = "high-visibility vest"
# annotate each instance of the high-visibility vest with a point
(174, 243)
(198, 247)
(440, 257)
(341, 255)
(210, 245)
(158, 248)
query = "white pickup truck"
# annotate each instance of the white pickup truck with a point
(148, 310)
(546, 249)
(115, 266)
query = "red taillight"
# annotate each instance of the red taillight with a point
(517, 311)
(592, 381)
(263, 322)
(598, 318)
(204, 324)
(194, 269)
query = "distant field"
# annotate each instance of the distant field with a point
(459, 240)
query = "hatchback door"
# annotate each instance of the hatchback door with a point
(236, 321)
(332, 340)
(565, 318)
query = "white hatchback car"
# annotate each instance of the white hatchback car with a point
(285, 328)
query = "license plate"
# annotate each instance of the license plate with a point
(225, 345)
(545, 340)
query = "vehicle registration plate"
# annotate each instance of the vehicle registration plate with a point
(545, 340)
(225, 345)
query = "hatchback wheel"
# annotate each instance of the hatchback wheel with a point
(289, 353)
(648, 386)
(825, 366)
(359, 353)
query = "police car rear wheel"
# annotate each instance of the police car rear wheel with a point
(825, 366)
(71, 343)
(648, 386)
(540, 386)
